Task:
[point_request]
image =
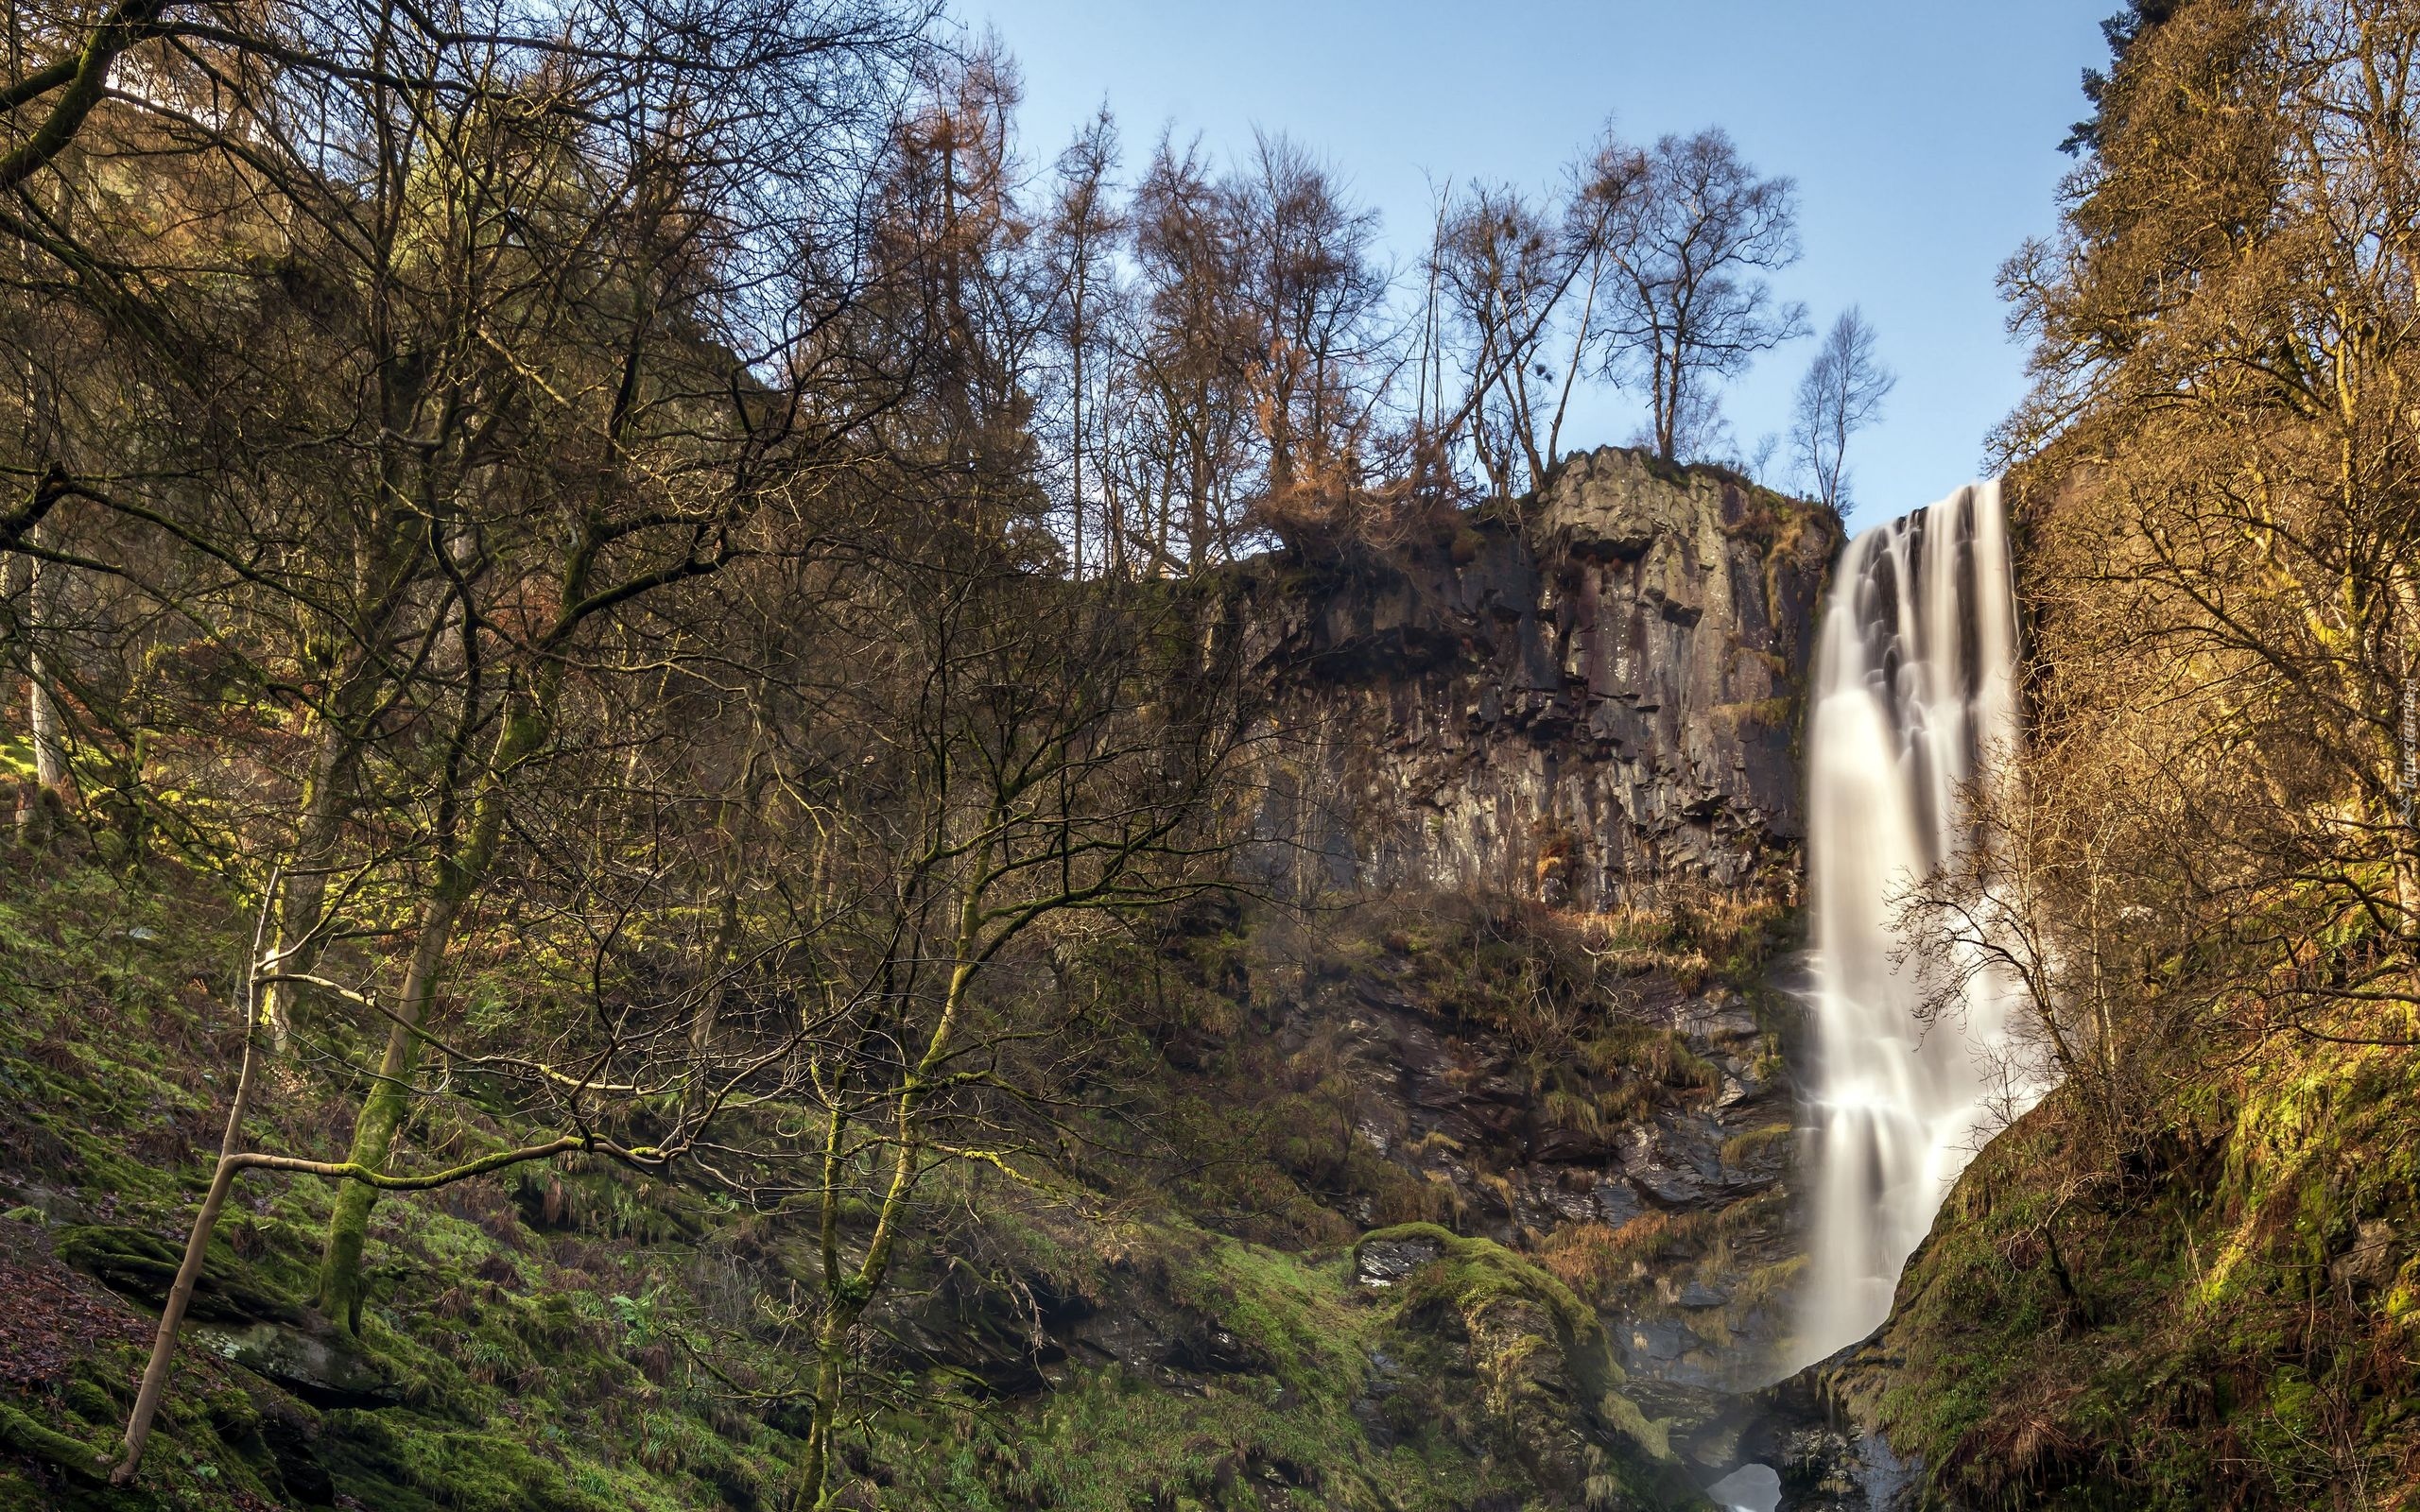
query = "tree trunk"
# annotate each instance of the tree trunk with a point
(383, 1113)
(846, 1297)
(1076, 426)
(205, 1222)
(296, 946)
(49, 734)
(702, 1027)
(814, 1489)
(388, 1100)
(1668, 407)
(47, 726)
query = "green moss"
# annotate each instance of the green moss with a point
(2224, 1333)
(1111, 1439)
(1473, 1272)
(1650, 1434)
(1116, 1443)
(85, 1461)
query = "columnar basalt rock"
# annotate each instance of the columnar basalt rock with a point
(1591, 698)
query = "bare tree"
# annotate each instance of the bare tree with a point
(956, 299)
(1841, 395)
(1515, 282)
(1317, 298)
(1192, 353)
(1080, 240)
(1021, 755)
(1687, 307)
(1501, 274)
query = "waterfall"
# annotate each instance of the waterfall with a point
(1915, 680)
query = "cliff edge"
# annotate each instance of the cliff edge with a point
(1590, 698)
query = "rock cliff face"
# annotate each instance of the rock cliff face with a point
(1589, 701)
(1507, 1109)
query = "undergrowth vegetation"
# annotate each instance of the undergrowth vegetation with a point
(2240, 1311)
(579, 1336)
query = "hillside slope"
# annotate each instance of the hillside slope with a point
(578, 1337)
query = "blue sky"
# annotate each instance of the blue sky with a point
(1923, 136)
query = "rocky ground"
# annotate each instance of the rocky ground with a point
(1479, 1213)
(1649, 1159)
(1514, 1213)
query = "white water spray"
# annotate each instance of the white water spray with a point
(1915, 681)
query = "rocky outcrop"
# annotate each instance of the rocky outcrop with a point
(1586, 698)
(1589, 701)
(236, 1315)
(1639, 1146)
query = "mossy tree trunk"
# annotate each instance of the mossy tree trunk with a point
(848, 1290)
(383, 1112)
(388, 1102)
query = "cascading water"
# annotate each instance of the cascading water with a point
(1914, 682)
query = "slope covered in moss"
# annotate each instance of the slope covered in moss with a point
(577, 1337)
(2235, 1322)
